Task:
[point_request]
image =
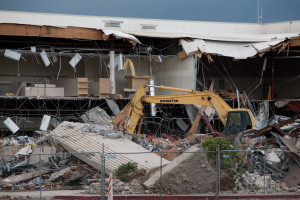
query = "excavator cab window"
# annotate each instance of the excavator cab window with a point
(237, 121)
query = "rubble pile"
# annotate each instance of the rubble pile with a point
(119, 187)
(22, 168)
(272, 156)
(168, 144)
(255, 183)
(270, 160)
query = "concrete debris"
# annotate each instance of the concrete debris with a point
(104, 130)
(281, 103)
(69, 156)
(255, 183)
(297, 145)
(167, 143)
(272, 157)
(54, 122)
(21, 165)
(277, 160)
(24, 151)
(183, 126)
(119, 187)
(69, 174)
(96, 116)
(263, 115)
(113, 106)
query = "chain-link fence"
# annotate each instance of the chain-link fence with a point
(191, 172)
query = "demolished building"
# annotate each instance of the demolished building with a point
(64, 67)
(48, 74)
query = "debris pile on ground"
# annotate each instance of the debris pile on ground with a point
(189, 173)
(25, 169)
(270, 162)
(272, 156)
(168, 144)
(119, 187)
(255, 183)
(27, 162)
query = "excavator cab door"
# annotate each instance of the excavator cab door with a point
(237, 121)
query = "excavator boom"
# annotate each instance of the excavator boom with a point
(205, 98)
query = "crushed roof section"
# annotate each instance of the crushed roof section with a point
(237, 50)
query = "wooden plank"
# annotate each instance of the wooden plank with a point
(83, 80)
(279, 130)
(295, 43)
(119, 119)
(82, 87)
(289, 144)
(103, 86)
(49, 31)
(181, 55)
(201, 111)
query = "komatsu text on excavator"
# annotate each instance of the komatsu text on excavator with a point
(234, 120)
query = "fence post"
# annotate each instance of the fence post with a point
(218, 173)
(40, 176)
(265, 155)
(160, 191)
(103, 173)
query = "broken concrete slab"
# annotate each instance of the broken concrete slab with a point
(69, 174)
(45, 151)
(71, 137)
(24, 151)
(21, 177)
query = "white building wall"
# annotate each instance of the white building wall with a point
(174, 73)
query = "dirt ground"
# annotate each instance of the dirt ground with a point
(227, 181)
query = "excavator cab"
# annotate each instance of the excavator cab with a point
(237, 121)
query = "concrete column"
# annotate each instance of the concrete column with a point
(112, 82)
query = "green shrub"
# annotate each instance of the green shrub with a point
(211, 146)
(125, 169)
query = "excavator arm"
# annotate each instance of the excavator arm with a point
(205, 98)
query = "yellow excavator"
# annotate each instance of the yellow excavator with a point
(234, 120)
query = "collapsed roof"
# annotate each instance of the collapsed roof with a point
(236, 40)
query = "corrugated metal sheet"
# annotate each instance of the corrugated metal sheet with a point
(70, 136)
(113, 106)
